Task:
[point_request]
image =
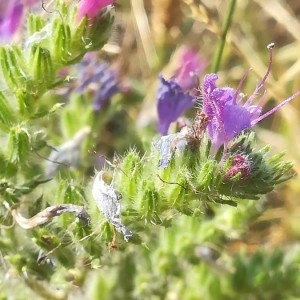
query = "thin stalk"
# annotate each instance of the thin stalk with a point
(220, 47)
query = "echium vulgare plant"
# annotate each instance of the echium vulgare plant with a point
(213, 161)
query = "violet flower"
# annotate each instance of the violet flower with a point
(171, 103)
(176, 95)
(102, 78)
(11, 14)
(91, 8)
(109, 87)
(227, 116)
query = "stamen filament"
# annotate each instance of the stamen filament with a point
(275, 108)
(261, 84)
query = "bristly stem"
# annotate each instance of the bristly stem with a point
(220, 47)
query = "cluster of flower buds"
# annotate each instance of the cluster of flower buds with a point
(240, 164)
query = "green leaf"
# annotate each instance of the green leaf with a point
(7, 115)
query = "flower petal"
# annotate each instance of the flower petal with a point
(235, 119)
(232, 121)
(171, 103)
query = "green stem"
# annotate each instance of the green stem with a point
(219, 51)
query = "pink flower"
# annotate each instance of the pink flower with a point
(91, 8)
(11, 13)
(190, 66)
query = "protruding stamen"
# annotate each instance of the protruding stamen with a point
(237, 92)
(276, 108)
(261, 84)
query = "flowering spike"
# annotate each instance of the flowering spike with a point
(226, 115)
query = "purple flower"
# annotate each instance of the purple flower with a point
(10, 18)
(101, 78)
(172, 97)
(109, 87)
(171, 103)
(227, 116)
(11, 13)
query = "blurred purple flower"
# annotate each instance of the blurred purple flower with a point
(171, 103)
(91, 8)
(109, 87)
(227, 116)
(172, 97)
(103, 78)
(190, 66)
(11, 13)
(10, 17)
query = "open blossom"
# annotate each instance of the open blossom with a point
(227, 115)
(91, 8)
(171, 103)
(175, 96)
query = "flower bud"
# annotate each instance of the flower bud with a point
(91, 8)
(13, 67)
(240, 164)
(42, 67)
